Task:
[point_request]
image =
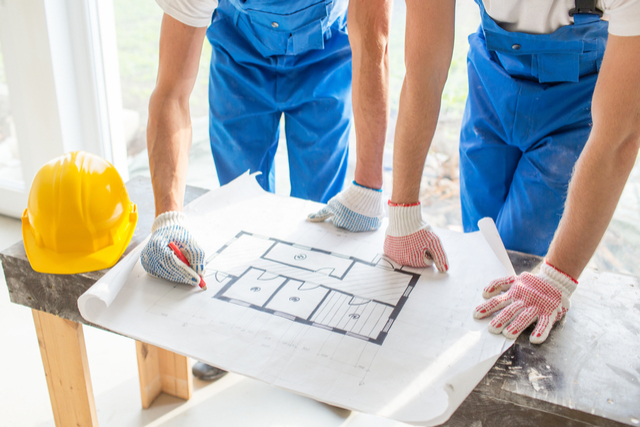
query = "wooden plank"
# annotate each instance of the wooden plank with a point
(161, 370)
(64, 357)
(175, 374)
(148, 373)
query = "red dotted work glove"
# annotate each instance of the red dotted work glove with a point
(543, 297)
(410, 241)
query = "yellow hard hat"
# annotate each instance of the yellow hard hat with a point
(79, 216)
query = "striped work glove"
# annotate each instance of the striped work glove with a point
(410, 241)
(357, 208)
(543, 297)
(160, 261)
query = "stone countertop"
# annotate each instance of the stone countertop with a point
(587, 373)
(58, 293)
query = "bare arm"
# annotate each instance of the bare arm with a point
(368, 22)
(606, 162)
(428, 49)
(169, 127)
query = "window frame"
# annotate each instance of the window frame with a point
(61, 66)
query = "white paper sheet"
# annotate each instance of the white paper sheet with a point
(315, 309)
(492, 236)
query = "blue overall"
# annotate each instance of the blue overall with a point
(526, 121)
(272, 57)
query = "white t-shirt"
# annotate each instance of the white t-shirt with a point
(195, 13)
(546, 16)
(527, 16)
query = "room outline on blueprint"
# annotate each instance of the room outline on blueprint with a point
(313, 309)
(311, 286)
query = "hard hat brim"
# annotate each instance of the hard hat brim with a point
(45, 260)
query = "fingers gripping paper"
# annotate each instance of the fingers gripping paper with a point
(314, 309)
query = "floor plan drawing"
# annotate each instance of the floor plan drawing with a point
(315, 287)
(314, 309)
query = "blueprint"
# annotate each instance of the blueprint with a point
(312, 286)
(314, 309)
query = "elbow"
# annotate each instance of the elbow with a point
(629, 146)
(621, 133)
(631, 141)
(427, 70)
(621, 145)
(423, 79)
(166, 93)
(168, 114)
(369, 32)
(625, 152)
(376, 48)
(375, 43)
(163, 102)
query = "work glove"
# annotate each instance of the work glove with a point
(411, 241)
(357, 208)
(543, 297)
(159, 260)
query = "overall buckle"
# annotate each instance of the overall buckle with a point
(586, 7)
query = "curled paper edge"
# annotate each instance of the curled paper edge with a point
(100, 296)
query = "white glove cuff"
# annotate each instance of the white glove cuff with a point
(405, 220)
(167, 219)
(558, 279)
(363, 201)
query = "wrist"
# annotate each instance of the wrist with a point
(558, 278)
(404, 205)
(405, 219)
(367, 176)
(379, 190)
(168, 219)
(166, 200)
(362, 200)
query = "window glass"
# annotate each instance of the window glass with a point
(440, 187)
(138, 34)
(138, 30)
(619, 250)
(10, 170)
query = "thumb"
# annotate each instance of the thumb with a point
(321, 215)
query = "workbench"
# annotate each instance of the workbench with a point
(587, 373)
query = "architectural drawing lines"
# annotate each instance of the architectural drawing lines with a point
(310, 286)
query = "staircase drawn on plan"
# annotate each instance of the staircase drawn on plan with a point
(315, 287)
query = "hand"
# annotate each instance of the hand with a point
(410, 241)
(357, 208)
(159, 260)
(543, 297)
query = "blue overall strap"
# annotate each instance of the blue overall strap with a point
(562, 56)
(311, 36)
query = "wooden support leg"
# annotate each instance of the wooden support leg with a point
(64, 357)
(161, 370)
